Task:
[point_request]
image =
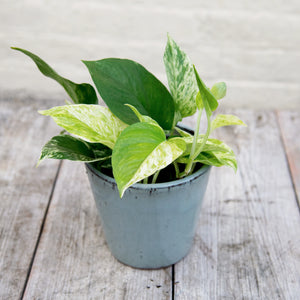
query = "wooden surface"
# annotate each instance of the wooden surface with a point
(247, 244)
(290, 127)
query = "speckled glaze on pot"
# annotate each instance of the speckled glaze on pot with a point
(153, 225)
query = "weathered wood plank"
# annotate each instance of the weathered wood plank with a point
(73, 260)
(290, 125)
(248, 239)
(24, 189)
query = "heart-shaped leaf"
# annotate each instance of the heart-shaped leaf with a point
(71, 148)
(123, 81)
(147, 151)
(219, 90)
(215, 153)
(93, 123)
(217, 159)
(80, 93)
(181, 78)
(226, 120)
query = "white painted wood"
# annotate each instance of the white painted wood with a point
(290, 125)
(247, 244)
(251, 45)
(24, 189)
(73, 261)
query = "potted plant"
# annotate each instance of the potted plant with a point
(148, 175)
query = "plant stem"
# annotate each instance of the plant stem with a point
(176, 169)
(205, 138)
(196, 134)
(155, 176)
(145, 181)
(193, 168)
(193, 149)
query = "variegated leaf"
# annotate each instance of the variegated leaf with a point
(219, 90)
(215, 153)
(217, 159)
(210, 145)
(226, 120)
(147, 151)
(93, 123)
(181, 78)
(71, 148)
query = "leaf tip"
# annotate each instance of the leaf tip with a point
(42, 112)
(39, 162)
(122, 190)
(86, 62)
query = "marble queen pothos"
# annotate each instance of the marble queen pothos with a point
(136, 137)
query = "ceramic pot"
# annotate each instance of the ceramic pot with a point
(153, 225)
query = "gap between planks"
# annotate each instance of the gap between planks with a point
(286, 144)
(41, 230)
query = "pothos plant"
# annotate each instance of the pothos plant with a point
(136, 137)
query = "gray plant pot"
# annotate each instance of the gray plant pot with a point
(153, 225)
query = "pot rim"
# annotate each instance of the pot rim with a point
(153, 186)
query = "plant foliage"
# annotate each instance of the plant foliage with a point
(136, 135)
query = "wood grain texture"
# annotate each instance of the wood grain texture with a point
(251, 45)
(24, 189)
(247, 244)
(290, 125)
(73, 261)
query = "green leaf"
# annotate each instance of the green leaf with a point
(209, 101)
(123, 81)
(217, 159)
(147, 151)
(210, 145)
(79, 93)
(71, 148)
(141, 117)
(215, 153)
(100, 151)
(93, 123)
(219, 90)
(181, 78)
(226, 120)
(199, 101)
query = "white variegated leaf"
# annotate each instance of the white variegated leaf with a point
(147, 151)
(215, 153)
(219, 90)
(181, 78)
(68, 147)
(226, 120)
(214, 158)
(210, 145)
(93, 123)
